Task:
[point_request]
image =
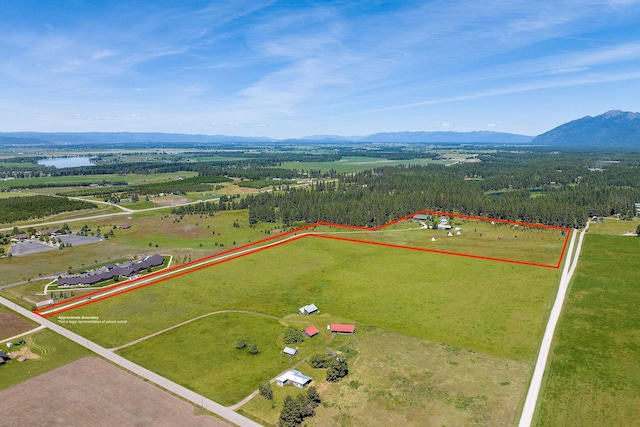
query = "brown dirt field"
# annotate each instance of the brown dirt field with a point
(92, 391)
(12, 324)
(170, 201)
(24, 351)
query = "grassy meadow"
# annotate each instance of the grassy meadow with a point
(443, 298)
(358, 164)
(613, 226)
(399, 380)
(480, 238)
(216, 367)
(593, 374)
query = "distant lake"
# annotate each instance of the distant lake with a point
(66, 162)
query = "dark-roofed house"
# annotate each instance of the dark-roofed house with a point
(21, 236)
(311, 331)
(421, 217)
(125, 269)
(48, 231)
(308, 309)
(3, 356)
(124, 227)
(341, 328)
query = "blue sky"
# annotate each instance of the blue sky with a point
(293, 68)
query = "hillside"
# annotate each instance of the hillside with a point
(612, 129)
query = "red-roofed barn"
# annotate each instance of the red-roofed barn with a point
(311, 331)
(340, 328)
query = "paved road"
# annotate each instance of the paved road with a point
(536, 381)
(177, 389)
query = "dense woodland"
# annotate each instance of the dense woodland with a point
(555, 190)
(532, 185)
(14, 209)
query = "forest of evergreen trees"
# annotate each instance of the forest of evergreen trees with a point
(563, 194)
(14, 209)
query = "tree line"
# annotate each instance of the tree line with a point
(374, 197)
(14, 209)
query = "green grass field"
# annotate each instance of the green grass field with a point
(614, 226)
(440, 297)
(357, 164)
(593, 376)
(481, 238)
(203, 357)
(53, 350)
(132, 179)
(25, 295)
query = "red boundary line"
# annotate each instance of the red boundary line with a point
(294, 232)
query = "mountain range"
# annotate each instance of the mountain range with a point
(612, 129)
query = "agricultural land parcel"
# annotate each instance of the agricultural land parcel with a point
(593, 375)
(407, 293)
(92, 389)
(52, 351)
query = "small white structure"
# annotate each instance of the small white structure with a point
(290, 351)
(294, 377)
(449, 234)
(308, 309)
(457, 233)
(44, 303)
(433, 239)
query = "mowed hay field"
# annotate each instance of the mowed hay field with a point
(593, 376)
(526, 244)
(487, 306)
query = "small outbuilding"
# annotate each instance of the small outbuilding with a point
(290, 351)
(311, 331)
(295, 378)
(421, 217)
(308, 309)
(341, 328)
(3, 356)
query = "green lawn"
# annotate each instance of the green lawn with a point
(25, 295)
(443, 298)
(593, 376)
(614, 226)
(54, 351)
(203, 357)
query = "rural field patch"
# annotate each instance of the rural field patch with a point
(399, 380)
(593, 373)
(51, 351)
(13, 324)
(498, 308)
(93, 391)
